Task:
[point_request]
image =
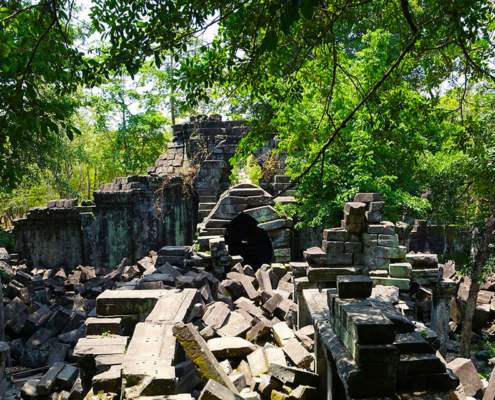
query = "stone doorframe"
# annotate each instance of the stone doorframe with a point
(257, 203)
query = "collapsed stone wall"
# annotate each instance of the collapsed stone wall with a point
(138, 213)
(122, 222)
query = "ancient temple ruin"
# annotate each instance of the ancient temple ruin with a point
(178, 285)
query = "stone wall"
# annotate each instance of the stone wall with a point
(136, 214)
(123, 222)
(447, 240)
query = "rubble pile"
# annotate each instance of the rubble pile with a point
(386, 355)
(238, 336)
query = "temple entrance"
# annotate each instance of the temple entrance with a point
(244, 238)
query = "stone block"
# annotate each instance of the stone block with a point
(368, 197)
(401, 283)
(202, 355)
(46, 384)
(216, 391)
(147, 377)
(67, 377)
(226, 347)
(377, 354)
(330, 274)
(349, 286)
(467, 374)
(374, 216)
(282, 333)
(263, 214)
(108, 381)
(258, 362)
(422, 260)
(299, 356)
(400, 270)
(332, 247)
(430, 274)
(290, 375)
(235, 325)
(353, 247)
(419, 364)
(98, 326)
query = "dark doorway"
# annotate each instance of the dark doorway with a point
(244, 238)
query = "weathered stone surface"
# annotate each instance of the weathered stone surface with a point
(402, 284)
(400, 270)
(282, 333)
(97, 326)
(148, 378)
(300, 357)
(202, 354)
(368, 197)
(467, 374)
(216, 315)
(108, 381)
(258, 362)
(349, 286)
(230, 347)
(216, 391)
(387, 294)
(293, 375)
(47, 382)
(67, 377)
(235, 325)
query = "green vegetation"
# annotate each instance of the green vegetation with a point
(395, 97)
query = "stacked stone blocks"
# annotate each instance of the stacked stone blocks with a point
(365, 244)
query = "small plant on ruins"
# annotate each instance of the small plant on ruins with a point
(185, 177)
(107, 334)
(423, 334)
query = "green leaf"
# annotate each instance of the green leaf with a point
(269, 42)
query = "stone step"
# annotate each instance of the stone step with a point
(206, 206)
(412, 343)
(214, 231)
(419, 364)
(207, 199)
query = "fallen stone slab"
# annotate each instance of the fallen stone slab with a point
(215, 391)
(230, 347)
(275, 355)
(67, 377)
(148, 378)
(258, 363)
(152, 342)
(261, 329)
(293, 375)
(235, 325)
(202, 355)
(282, 333)
(174, 307)
(122, 302)
(216, 314)
(299, 356)
(467, 374)
(46, 384)
(108, 381)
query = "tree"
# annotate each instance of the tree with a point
(39, 70)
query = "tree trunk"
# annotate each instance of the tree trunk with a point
(481, 258)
